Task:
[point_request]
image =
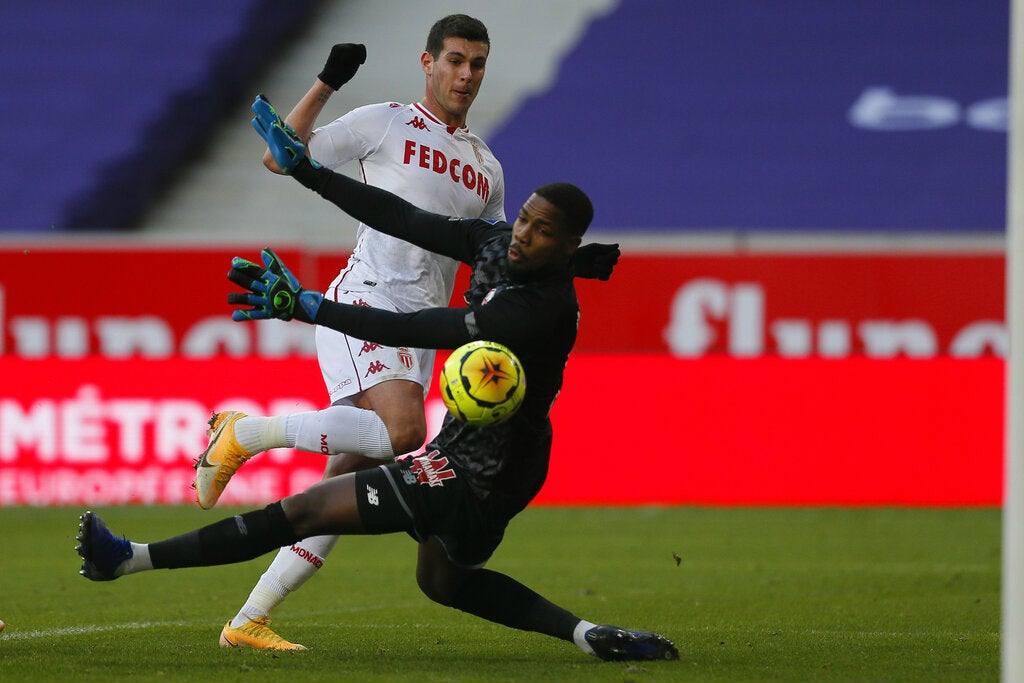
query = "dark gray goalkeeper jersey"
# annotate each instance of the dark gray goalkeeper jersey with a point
(536, 316)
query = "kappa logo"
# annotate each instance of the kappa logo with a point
(369, 347)
(432, 470)
(371, 496)
(375, 367)
(340, 385)
(418, 123)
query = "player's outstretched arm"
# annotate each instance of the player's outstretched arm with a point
(274, 292)
(341, 66)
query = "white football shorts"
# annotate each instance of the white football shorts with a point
(350, 366)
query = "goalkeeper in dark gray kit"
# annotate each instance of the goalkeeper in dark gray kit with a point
(457, 497)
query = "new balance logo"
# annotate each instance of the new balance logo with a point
(418, 123)
(371, 495)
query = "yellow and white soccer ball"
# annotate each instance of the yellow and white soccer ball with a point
(482, 383)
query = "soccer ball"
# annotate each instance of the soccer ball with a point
(482, 383)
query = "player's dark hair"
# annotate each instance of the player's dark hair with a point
(455, 26)
(573, 202)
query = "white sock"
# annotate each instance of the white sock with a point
(257, 434)
(139, 561)
(579, 636)
(339, 429)
(293, 566)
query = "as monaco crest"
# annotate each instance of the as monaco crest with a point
(405, 357)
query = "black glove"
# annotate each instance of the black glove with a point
(343, 63)
(274, 291)
(595, 261)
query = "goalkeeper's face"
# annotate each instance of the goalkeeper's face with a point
(541, 241)
(454, 78)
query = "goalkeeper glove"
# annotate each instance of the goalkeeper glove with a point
(284, 143)
(595, 261)
(273, 291)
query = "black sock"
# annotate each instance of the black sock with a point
(504, 600)
(234, 539)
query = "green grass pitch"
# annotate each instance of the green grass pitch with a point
(747, 594)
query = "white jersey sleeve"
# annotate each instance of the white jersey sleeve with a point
(337, 143)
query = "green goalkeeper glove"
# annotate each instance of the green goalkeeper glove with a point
(274, 292)
(284, 143)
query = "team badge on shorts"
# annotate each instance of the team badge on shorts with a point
(406, 358)
(431, 469)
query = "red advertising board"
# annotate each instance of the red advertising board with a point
(698, 378)
(825, 305)
(72, 302)
(629, 429)
(154, 303)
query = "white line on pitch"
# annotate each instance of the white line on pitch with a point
(82, 630)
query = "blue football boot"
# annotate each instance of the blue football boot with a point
(101, 551)
(613, 643)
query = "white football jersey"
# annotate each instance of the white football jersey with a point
(405, 150)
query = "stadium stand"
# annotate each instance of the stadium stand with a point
(838, 117)
(738, 118)
(106, 101)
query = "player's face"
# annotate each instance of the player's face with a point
(454, 78)
(540, 240)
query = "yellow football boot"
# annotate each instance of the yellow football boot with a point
(256, 634)
(221, 459)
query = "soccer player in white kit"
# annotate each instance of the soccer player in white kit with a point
(425, 153)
